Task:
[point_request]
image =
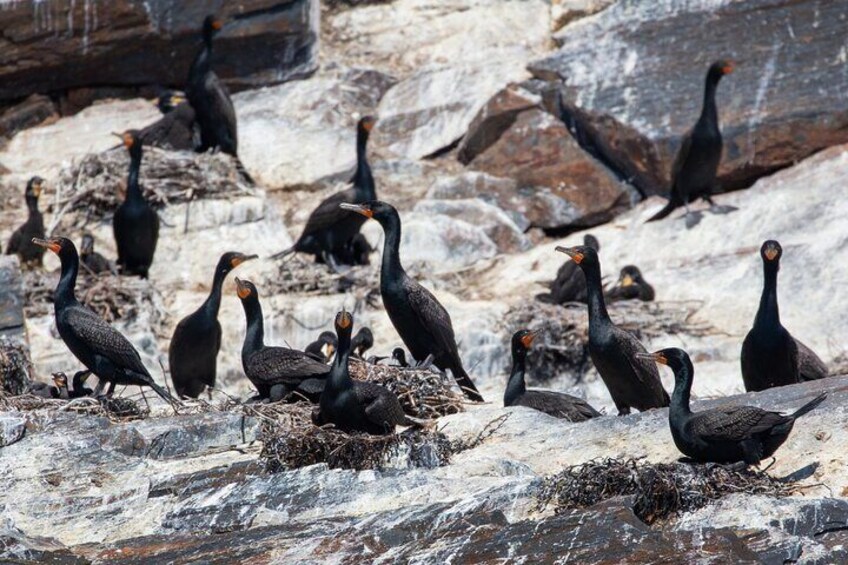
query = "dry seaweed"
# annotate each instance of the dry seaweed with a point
(117, 409)
(659, 491)
(15, 367)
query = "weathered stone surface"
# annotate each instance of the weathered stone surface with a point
(564, 12)
(443, 242)
(66, 44)
(633, 75)
(496, 224)
(31, 112)
(11, 298)
(560, 184)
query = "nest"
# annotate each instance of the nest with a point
(117, 409)
(93, 187)
(658, 491)
(112, 297)
(422, 394)
(299, 276)
(290, 440)
(15, 367)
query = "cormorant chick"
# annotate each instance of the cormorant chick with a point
(362, 342)
(323, 347)
(631, 286)
(94, 262)
(176, 128)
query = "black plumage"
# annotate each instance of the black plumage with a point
(323, 347)
(569, 284)
(101, 348)
(770, 355)
(20, 243)
(631, 285)
(193, 352)
(356, 406)
(176, 128)
(136, 224)
(60, 380)
(362, 342)
(421, 321)
(726, 434)
(399, 355)
(330, 233)
(556, 404)
(267, 367)
(693, 174)
(633, 382)
(93, 261)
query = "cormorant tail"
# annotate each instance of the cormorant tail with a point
(417, 422)
(163, 393)
(669, 208)
(809, 406)
(284, 253)
(465, 383)
(243, 172)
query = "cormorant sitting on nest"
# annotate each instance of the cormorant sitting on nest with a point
(770, 355)
(193, 353)
(280, 368)
(356, 406)
(693, 173)
(93, 261)
(727, 434)
(570, 284)
(323, 347)
(97, 345)
(631, 286)
(633, 382)
(135, 224)
(556, 404)
(20, 243)
(421, 321)
(330, 232)
(175, 129)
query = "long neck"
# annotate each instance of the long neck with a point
(65, 289)
(254, 338)
(363, 179)
(201, 63)
(682, 390)
(32, 205)
(597, 306)
(133, 188)
(708, 110)
(213, 301)
(391, 249)
(768, 313)
(516, 386)
(339, 374)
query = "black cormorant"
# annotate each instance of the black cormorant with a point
(399, 355)
(726, 434)
(421, 321)
(193, 353)
(362, 342)
(101, 348)
(556, 404)
(633, 382)
(93, 261)
(20, 243)
(136, 224)
(323, 347)
(570, 284)
(631, 286)
(176, 128)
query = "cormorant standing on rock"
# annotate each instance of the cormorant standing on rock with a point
(280, 368)
(135, 224)
(556, 404)
(175, 129)
(97, 345)
(693, 173)
(93, 261)
(362, 342)
(770, 355)
(570, 284)
(20, 243)
(323, 347)
(726, 434)
(421, 321)
(633, 382)
(631, 286)
(193, 353)
(356, 406)
(330, 233)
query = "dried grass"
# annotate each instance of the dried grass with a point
(659, 491)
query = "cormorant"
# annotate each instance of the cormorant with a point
(362, 342)
(570, 284)
(693, 173)
(356, 406)
(329, 232)
(93, 261)
(631, 285)
(421, 321)
(60, 379)
(633, 382)
(20, 243)
(175, 129)
(399, 355)
(770, 355)
(136, 224)
(101, 348)
(726, 434)
(193, 353)
(323, 347)
(268, 367)
(556, 404)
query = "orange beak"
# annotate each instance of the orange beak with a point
(575, 255)
(358, 208)
(50, 244)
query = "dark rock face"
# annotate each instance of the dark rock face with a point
(54, 46)
(633, 77)
(35, 110)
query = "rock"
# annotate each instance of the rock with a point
(11, 298)
(564, 12)
(432, 109)
(32, 111)
(12, 429)
(68, 44)
(561, 186)
(633, 97)
(444, 243)
(496, 224)
(495, 190)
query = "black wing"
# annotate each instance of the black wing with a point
(645, 369)
(328, 213)
(281, 365)
(15, 242)
(381, 405)
(680, 159)
(734, 423)
(103, 339)
(222, 106)
(432, 316)
(810, 365)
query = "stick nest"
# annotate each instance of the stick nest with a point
(301, 276)
(92, 188)
(117, 409)
(659, 491)
(15, 367)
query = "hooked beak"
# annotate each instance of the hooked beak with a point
(657, 357)
(771, 253)
(627, 280)
(236, 261)
(358, 208)
(575, 255)
(51, 245)
(242, 289)
(528, 339)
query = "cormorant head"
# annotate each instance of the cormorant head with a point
(364, 340)
(590, 240)
(629, 276)
(399, 355)
(211, 26)
(522, 340)
(674, 357)
(771, 252)
(169, 100)
(720, 68)
(329, 343)
(376, 209)
(87, 244)
(344, 324)
(33, 188)
(583, 255)
(246, 290)
(60, 380)
(131, 140)
(61, 246)
(366, 124)
(230, 260)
